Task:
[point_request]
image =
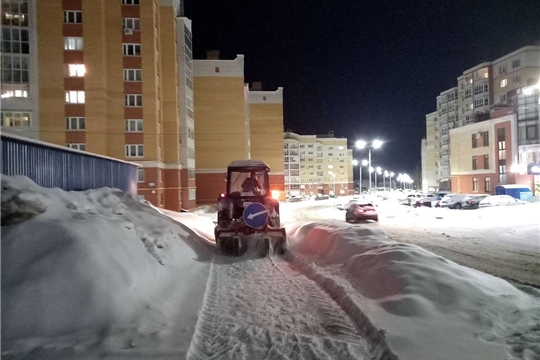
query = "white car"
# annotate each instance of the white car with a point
(497, 200)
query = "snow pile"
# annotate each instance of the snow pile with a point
(431, 307)
(96, 273)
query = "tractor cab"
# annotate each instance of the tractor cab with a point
(248, 208)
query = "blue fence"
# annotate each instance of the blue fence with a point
(50, 165)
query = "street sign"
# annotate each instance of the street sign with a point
(255, 215)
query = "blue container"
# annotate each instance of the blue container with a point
(521, 192)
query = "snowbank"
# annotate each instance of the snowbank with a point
(430, 306)
(96, 273)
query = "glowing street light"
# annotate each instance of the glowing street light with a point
(378, 170)
(362, 163)
(375, 144)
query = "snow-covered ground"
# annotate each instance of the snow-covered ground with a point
(97, 274)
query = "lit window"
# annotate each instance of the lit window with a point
(14, 90)
(134, 150)
(81, 147)
(134, 125)
(76, 70)
(73, 17)
(15, 119)
(73, 43)
(504, 82)
(75, 97)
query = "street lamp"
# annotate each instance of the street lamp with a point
(375, 144)
(378, 171)
(391, 176)
(363, 163)
(386, 174)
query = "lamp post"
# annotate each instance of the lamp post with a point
(391, 176)
(362, 163)
(384, 179)
(378, 170)
(375, 144)
(371, 170)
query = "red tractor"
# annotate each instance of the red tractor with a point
(248, 208)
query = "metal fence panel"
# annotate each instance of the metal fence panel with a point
(50, 165)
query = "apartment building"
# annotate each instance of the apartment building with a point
(222, 132)
(186, 112)
(317, 165)
(108, 84)
(19, 75)
(487, 91)
(483, 154)
(234, 122)
(431, 148)
(448, 115)
(266, 132)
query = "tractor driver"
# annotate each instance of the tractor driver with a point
(251, 184)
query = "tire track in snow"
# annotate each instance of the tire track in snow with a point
(341, 293)
(263, 309)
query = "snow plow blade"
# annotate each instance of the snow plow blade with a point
(255, 244)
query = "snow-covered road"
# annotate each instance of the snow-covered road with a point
(97, 274)
(268, 309)
(503, 241)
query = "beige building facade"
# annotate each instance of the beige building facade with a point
(233, 123)
(317, 165)
(111, 86)
(266, 132)
(430, 154)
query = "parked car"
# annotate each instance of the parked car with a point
(410, 199)
(322, 197)
(428, 201)
(452, 201)
(295, 198)
(473, 201)
(498, 200)
(361, 211)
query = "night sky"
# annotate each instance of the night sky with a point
(363, 69)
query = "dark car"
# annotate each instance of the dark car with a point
(428, 201)
(473, 201)
(452, 201)
(360, 212)
(322, 197)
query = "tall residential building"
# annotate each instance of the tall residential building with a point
(19, 75)
(266, 132)
(431, 149)
(317, 165)
(448, 111)
(487, 91)
(186, 112)
(108, 84)
(222, 131)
